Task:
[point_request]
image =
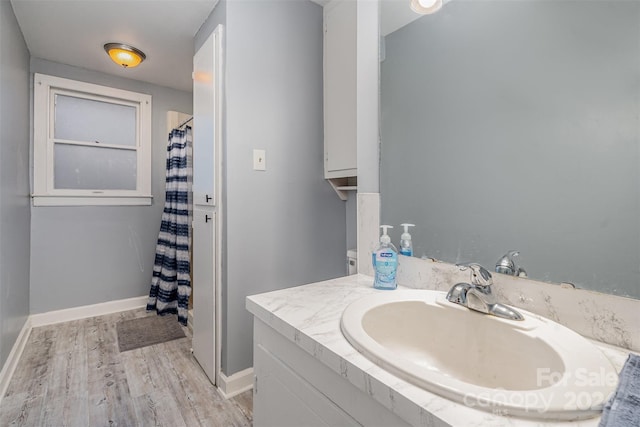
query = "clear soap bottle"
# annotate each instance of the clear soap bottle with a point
(406, 246)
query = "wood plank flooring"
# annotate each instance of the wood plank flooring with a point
(72, 374)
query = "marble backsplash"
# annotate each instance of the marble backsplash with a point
(606, 318)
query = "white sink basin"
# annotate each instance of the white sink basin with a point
(534, 368)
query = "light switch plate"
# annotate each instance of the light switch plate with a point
(259, 160)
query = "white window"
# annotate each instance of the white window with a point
(92, 144)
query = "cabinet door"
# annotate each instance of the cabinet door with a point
(284, 399)
(204, 273)
(340, 89)
(204, 123)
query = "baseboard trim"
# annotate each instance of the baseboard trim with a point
(14, 356)
(229, 386)
(76, 313)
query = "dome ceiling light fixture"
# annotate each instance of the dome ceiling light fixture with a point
(124, 55)
(426, 7)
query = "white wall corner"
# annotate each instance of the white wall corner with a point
(367, 99)
(14, 356)
(368, 213)
(229, 386)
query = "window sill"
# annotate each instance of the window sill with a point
(42, 200)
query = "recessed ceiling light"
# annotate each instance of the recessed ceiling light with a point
(426, 7)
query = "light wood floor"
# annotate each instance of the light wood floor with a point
(72, 374)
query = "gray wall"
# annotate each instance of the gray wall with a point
(14, 180)
(88, 255)
(352, 219)
(514, 125)
(286, 226)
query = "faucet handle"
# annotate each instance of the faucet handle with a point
(506, 264)
(480, 276)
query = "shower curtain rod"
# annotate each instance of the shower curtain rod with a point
(185, 122)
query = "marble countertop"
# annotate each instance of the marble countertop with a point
(309, 316)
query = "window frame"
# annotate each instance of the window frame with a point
(44, 194)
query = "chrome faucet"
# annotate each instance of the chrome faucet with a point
(507, 265)
(477, 295)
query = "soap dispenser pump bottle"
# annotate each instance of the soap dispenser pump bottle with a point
(385, 262)
(406, 246)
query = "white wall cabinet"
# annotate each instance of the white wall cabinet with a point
(207, 87)
(203, 120)
(340, 160)
(204, 274)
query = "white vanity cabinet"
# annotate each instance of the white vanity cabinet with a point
(292, 389)
(340, 28)
(307, 373)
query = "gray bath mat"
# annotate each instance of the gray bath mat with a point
(137, 333)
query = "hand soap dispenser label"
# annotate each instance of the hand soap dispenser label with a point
(385, 262)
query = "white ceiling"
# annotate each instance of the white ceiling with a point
(73, 32)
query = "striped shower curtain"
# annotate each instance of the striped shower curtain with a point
(171, 281)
